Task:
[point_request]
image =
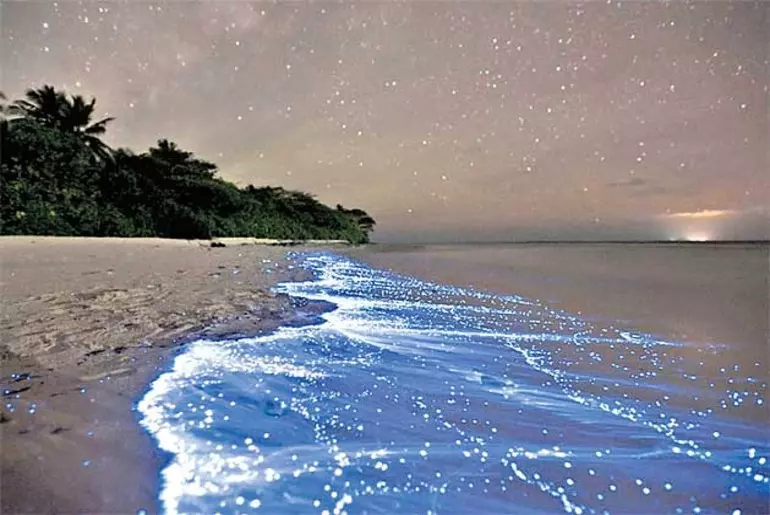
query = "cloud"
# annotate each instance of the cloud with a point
(638, 187)
(636, 182)
(702, 215)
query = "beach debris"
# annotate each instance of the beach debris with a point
(217, 244)
(59, 429)
(4, 418)
(15, 378)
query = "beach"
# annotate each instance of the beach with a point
(86, 324)
(466, 378)
(576, 378)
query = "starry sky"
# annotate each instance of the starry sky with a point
(445, 120)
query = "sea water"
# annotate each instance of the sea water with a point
(409, 396)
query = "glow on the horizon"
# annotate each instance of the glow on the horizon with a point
(697, 236)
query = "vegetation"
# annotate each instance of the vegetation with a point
(57, 177)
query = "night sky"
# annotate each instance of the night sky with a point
(445, 120)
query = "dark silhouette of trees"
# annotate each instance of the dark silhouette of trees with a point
(45, 105)
(52, 184)
(365, 222)
(73, 114)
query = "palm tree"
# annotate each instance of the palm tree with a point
(46, 105)
(53, 108)
(76, 117)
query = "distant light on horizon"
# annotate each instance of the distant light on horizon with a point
(693, 235)
(698, 236)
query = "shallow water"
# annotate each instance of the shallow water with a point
(416, 397)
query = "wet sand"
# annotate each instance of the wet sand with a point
(86, 324)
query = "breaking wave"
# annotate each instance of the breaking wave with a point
(416, 397)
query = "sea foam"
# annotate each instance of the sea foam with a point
(416, 397)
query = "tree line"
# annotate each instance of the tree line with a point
(57, 177)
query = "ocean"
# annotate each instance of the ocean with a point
(505, 379)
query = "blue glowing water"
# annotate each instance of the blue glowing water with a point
(414, 397)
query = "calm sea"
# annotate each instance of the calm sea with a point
(505, 379)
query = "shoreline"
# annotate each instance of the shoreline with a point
(83, 341)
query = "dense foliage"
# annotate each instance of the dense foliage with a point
(58, 178)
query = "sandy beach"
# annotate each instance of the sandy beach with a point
(86, 324)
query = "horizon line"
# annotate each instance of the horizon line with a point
(520, 242)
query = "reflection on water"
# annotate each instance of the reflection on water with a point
(413, 397)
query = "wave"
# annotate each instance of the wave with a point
(413, 396)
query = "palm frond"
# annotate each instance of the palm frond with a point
(99, 127)
(101, 151)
